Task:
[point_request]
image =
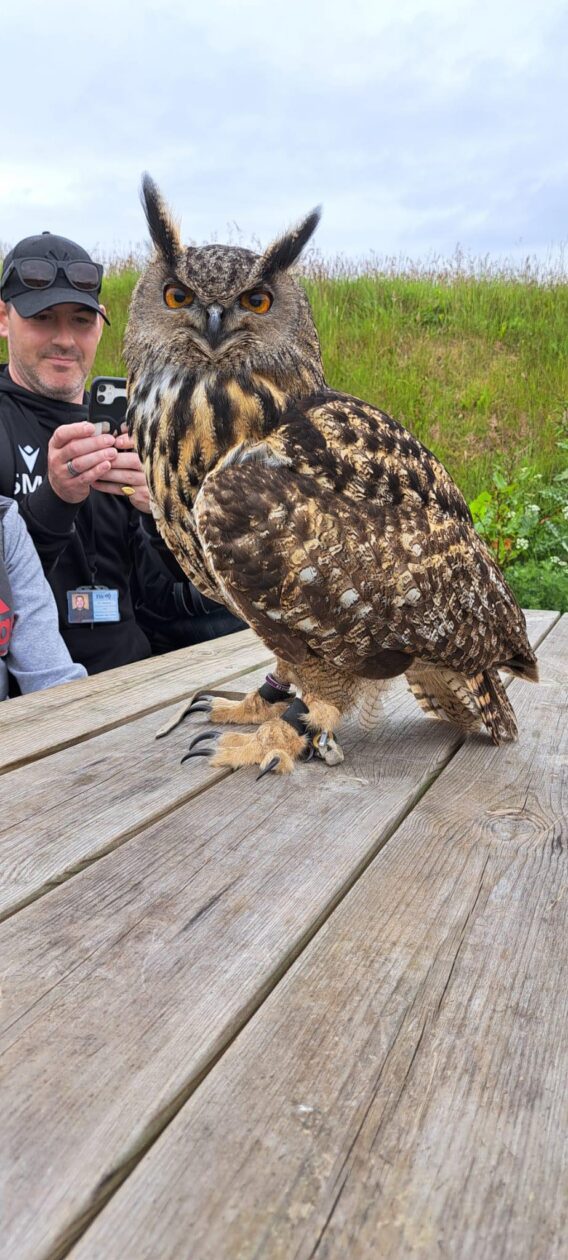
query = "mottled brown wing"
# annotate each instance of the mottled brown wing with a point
(349, 540)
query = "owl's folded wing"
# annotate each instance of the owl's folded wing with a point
(315, 571)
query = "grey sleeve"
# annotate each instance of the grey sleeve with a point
(38, 657)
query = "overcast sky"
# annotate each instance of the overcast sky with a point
(417, 126)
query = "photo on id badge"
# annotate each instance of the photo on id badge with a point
(94, 604)
(80, 606)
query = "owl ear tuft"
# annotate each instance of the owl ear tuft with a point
(163, 228)
(283, 252)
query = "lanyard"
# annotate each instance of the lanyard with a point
(89, 549)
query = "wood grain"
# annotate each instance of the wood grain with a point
(404, 1090)
(39, 724)
(121, 987)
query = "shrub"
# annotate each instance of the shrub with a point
(525, 522)
(540, 585)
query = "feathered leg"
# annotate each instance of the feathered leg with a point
(468, 702)
(230, 707)
(305, 729)
(268, 701)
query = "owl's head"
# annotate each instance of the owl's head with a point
(221, 308)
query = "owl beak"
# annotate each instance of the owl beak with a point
(214, 316)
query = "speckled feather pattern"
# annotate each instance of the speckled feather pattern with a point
(319, 519)
(358, 547)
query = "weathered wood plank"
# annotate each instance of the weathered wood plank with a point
(404, 1090)
(38, 724)
(123, 986)
(120, 782)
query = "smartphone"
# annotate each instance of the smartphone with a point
(108, 402)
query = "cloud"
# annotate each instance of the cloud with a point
(417, 125)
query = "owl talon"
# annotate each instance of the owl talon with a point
(200, 752)
(203, 735)
(190, 706)
(270, 768)
(201, 704)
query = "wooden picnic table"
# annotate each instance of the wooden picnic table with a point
(315, 1016)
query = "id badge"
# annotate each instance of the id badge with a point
(91, 605)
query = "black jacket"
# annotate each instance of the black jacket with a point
(170, 609)
(83, 544)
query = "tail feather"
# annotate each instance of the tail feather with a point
(370, 702)
(522, 667)
(468, 702)
(497, 710)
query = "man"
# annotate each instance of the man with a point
(76, 487)
(66, 476)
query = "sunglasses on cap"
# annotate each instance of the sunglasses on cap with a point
(41, 273)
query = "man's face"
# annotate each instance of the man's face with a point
(52, 353)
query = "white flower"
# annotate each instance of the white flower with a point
(522, 544)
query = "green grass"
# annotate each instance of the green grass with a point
(472, 359)
(475, 366)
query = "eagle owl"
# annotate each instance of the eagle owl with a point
(313, 515)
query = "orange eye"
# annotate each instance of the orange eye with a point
(257, 300)
(175, 297)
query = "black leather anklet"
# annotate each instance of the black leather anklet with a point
(295, 714)
(273, 691)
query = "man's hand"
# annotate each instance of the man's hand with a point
(90, 454)
(126, 475)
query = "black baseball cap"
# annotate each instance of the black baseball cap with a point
(59, 251)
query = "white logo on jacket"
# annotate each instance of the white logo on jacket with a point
(25, 483)
(29, 456)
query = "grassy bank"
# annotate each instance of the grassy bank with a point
(476, 365)
(477, 369)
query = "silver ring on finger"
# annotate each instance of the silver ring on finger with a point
(73, 472)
